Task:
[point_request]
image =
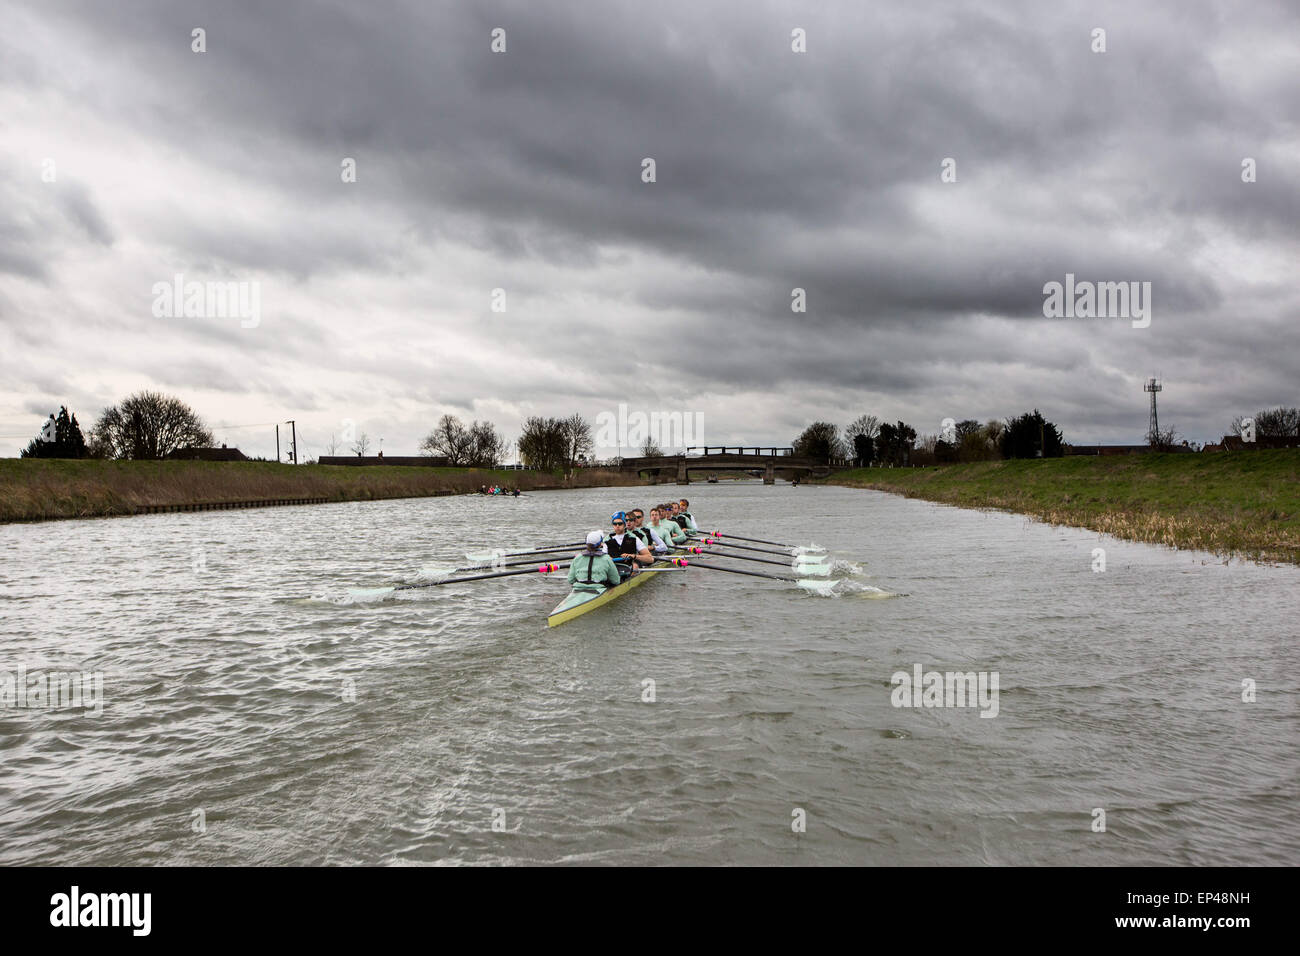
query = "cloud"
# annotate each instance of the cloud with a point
(775, 170)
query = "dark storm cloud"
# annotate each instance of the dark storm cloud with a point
(775, 171)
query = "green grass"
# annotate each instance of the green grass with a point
(37, 489)
(1245, 504)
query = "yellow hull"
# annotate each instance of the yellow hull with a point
(567, 609)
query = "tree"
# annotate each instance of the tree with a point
(59, 438)
(946, 451)
(863, 450)
(649, 449)
(332, 446)
(1278, 423)
(894, 443)
(1164, 439)
(866, 425)
(449, 439)
(487, 449)
(820, 440)
(861, 438)
(361, 445)
(1026, 436)
(577, 433)
(148, 425)
(544, 443)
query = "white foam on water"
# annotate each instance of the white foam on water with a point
(345, 596)
(813, 570)
(846, 588)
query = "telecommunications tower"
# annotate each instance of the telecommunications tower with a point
(1153, 432)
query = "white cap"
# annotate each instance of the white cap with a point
(595, 539)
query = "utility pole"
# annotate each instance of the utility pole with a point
(294, 427)
(277, 444)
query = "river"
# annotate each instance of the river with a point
(256, 710)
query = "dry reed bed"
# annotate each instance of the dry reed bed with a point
(43, 490)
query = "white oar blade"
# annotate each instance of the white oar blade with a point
(813, 570)
(810, 549)
(434, 573)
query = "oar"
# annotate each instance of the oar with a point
(812, 569)
(745, 547)
(542, 569)
(719, 534)
(503, 564)
(490, 555)
(802, 549)
(821, 587)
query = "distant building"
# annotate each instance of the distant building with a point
(207, 454)
(1237, 443)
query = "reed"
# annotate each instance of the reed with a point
(1242, 504)
(40, 489)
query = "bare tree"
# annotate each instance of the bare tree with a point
(868, 426)
(361, 445)
(148, 425)
(487, 449)
(650, 449)
(332, 446)
(1163, 439)
(449, 439)
(1278, 422)
(577, 431)
(544, 443)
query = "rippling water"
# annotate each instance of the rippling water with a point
(226, 640)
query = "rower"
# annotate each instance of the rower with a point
(685, 518)
(591, 569)
(672, 513)
(669, 532)
(626, 547)
(649, 536)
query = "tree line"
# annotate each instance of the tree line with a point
(868, 441)
(149, 425)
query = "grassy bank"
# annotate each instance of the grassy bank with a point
(1245, 504)
(34, 489)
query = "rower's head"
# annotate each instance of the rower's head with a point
(654, 515)
(618, 521)
(685, 504)
(595, 541)
(638, 516)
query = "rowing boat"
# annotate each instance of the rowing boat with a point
(579, 603)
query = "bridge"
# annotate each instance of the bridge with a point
(710, 458)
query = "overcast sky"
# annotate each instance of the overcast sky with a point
(522, 171)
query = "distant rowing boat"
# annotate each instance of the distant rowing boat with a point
(579, 603)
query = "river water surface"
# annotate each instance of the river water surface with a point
(231, 649)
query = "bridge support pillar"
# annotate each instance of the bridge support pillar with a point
(682, 477)
(769, 474)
